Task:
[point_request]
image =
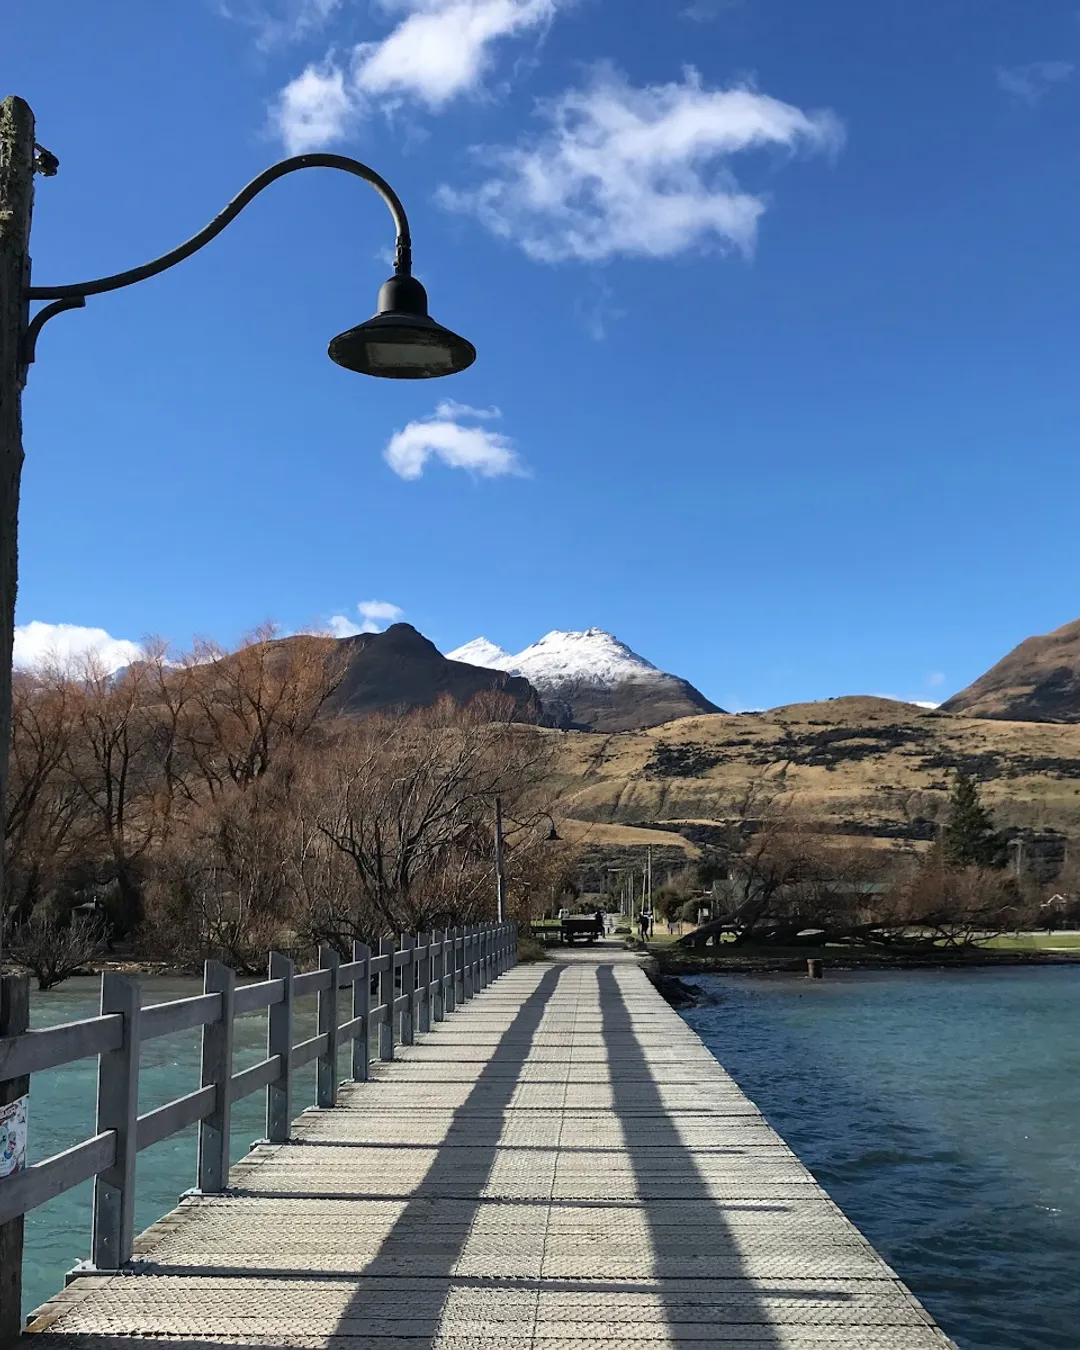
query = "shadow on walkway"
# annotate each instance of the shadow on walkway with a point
(689, 1237)
(463, 1165)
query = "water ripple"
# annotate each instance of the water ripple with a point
(940, 1110)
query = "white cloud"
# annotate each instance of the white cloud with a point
(476, 448)
(935, 678)
(439, 50)
(375, 614)
(915, 702)
(638, 172)
(38, 644)
(1030, 84)
(279, 22)
(313, 110)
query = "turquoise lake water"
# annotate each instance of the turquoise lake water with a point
(941, 1111)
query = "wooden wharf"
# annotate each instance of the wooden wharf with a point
(552, 1160)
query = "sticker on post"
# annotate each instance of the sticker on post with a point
(13, 1136)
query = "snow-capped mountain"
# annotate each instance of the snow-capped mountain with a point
(592, 680)
(481, 652)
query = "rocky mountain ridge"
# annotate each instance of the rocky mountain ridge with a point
(1038, 681)
(590, 681)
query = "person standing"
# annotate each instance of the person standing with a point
(643, 926)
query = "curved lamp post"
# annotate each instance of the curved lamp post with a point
(400, 342)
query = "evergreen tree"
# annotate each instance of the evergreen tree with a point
(969, 839)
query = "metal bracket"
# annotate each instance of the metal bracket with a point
(84, 1268)
(38, 322)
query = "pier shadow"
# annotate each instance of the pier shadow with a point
(423, 1254)
(693, 1262)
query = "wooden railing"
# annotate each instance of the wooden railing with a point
(402, 989)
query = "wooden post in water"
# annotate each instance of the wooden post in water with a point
(14, 1020)
(815, 968)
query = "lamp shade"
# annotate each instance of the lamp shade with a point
(402, 341)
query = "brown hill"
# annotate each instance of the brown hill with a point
(630, 705)
(1039, 681)
(865, 768)
(402, 669)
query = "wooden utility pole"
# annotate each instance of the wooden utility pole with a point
(14, 1020)
(16, 203)
(500, 864)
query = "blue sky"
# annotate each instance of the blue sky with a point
(776, 303)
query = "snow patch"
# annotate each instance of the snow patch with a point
(593, 657)
(480, 652)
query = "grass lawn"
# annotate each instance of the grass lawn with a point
(1032, 942)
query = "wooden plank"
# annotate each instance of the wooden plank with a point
(14, 1020)
(311, 983)
(379, 964)
(53, 1176)
(308, 1050)
(349, 972)
(260, 1075)
(162, 1019)
(251, 997)
(174, 1116)
(34, 1051)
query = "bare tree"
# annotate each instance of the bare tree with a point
(52, 950)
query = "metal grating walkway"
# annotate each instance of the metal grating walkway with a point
(559, 1164)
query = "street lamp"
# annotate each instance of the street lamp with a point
(400, 342)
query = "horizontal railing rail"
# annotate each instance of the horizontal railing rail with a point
(404, 988)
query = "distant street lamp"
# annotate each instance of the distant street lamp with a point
(400, 342)
(552, 837)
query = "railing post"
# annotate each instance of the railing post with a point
(217, 1058)
(423, 971)
(279, 1037)
(450, 970)
(14, 1020)
(361, 1007)
(438, 993)
(386, 998)
(326, 1095)
(117, 1109)
(408, 987)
